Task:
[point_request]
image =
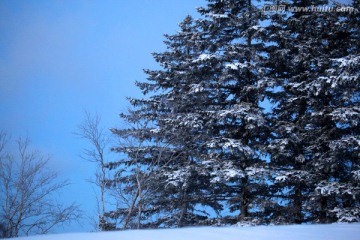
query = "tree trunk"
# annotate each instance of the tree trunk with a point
(184, 208)
(323, 207)
(244, 200)
(298, 205)
(131, 209)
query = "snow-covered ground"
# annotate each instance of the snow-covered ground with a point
(291, 232)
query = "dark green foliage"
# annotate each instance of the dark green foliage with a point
(315, 117)
(202, 146)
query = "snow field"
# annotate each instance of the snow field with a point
(289, 232)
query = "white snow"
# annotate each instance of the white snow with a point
(252, 171)
(179, 177)
(155, 130)
(230, 144)
(237, 65)
(290, 232)
(356, 175)
(196, 88)
(347, 215)
(348, 60)
(203, 57)
(281, 178)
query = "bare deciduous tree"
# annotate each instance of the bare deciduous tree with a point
(28, 188)
(91, 131)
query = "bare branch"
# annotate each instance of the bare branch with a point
(99, 140)
(27, 193)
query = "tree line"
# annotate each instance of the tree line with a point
(253, 118)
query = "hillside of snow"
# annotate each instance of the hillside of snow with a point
(290, 232)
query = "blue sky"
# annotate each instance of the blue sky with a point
(61, 57)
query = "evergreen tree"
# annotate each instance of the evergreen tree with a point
(172, 113)
(306, 127)
(202, 141)
(238, 125)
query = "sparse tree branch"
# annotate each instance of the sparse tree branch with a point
(99, 140)
(27, 193)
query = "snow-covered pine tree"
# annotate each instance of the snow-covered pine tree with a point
(238, 125)
(208, 92)
(310, 96)
(286, 50)
(334, 138)
(135, 177)
(176, 94)
(202, 135)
